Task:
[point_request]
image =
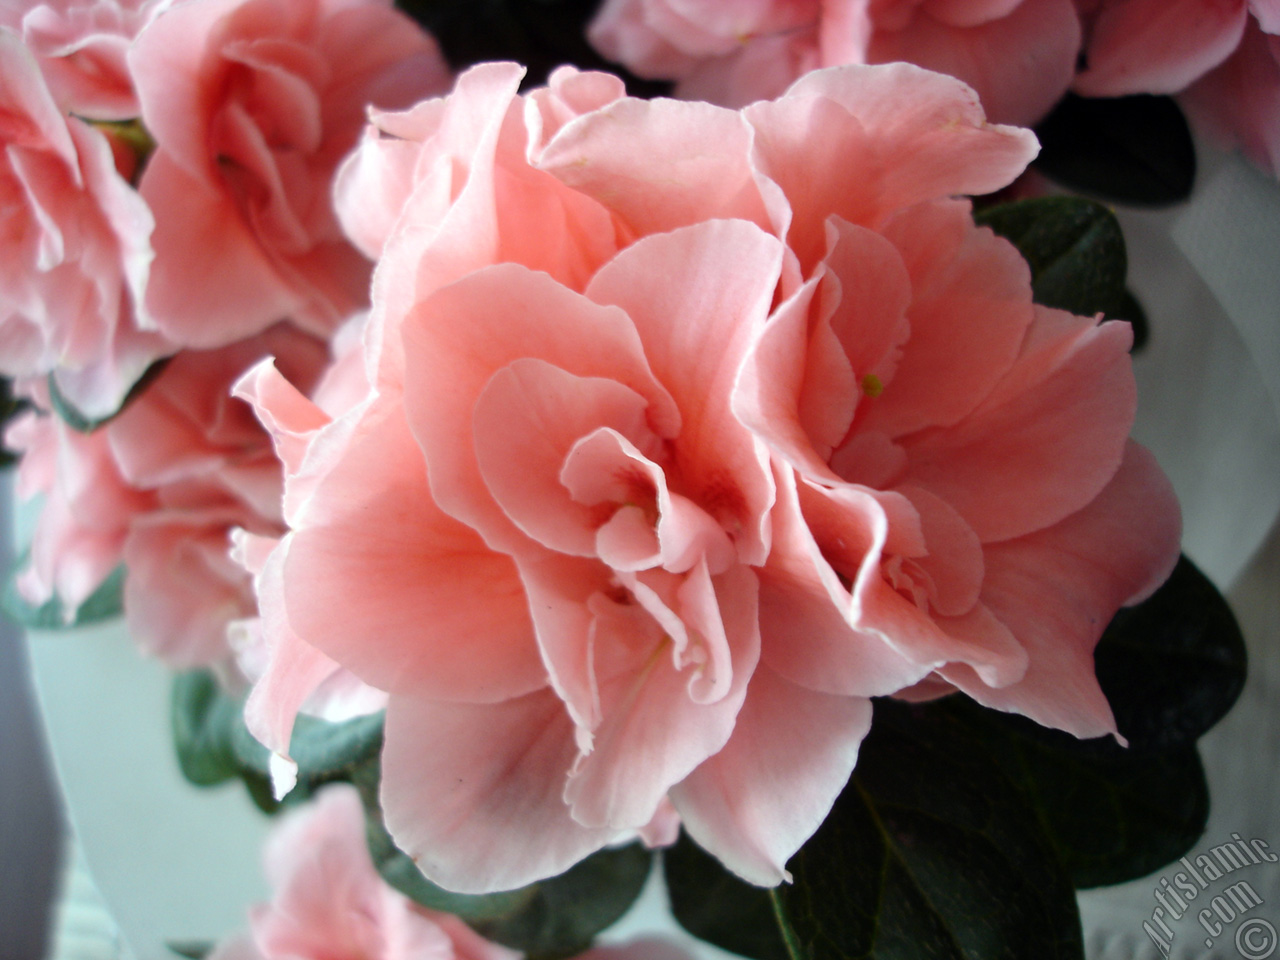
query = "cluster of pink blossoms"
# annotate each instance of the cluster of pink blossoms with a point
(166, 176)
(675, 433)
(681, 434)
(1021, 56)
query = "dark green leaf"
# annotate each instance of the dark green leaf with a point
(1074, 247)
(191, 949)
(82, 422)
(10, 407)
(203, 718)
(715, 906)
(563, 914)
(104, 603)
(215, 745)
(541, 34)
(1172, 666)
(1127, 149)
(554, 918)
(930, 851)
(1112, 816)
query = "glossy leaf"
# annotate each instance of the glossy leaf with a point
(1074, 247)
(203, 718)
(1135, 150)
(715, 906)
(10, 407)
(1112, 815)
(104, 603)
(191, 949)
(930, 851)
(553, 918)
(1173, 665)
(81, 422)
(215, 745)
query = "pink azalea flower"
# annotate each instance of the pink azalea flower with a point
(81, 45)
(160, 488)
(328, 900)
(252, 104)
(75, 247)
(1018, 54)
(686, 433)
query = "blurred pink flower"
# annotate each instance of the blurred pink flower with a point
(81, 46)
(252, 104)
(75, 248)
(1019, 55)
(328, 900)
(1221, 56)
(160, 488)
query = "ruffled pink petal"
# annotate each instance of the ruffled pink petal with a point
(760, 798)
(806, 613)
(1157, 46)
(191, 304)
(961, 278)
(284, 410)
(922, 136)
(473, 792)
(295, 669)
(1045, 441)
(696, 326)
(372, 555)
(569, 94)
(660, 164)
(654, 731)
(526, 421)
(873, 540)
(1057, 589)
(464, 334)
(775, 375)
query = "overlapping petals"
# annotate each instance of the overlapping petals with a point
(1018, 54)
(637, 517)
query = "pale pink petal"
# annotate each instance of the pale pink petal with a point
(922, 136)
(372, 555)
(1053, 431)
(696, 326)
(182, 588)
(653, 731)
(775, 379)
(526, 420)
(473, 792)
(659, 164)
(1157, 46)
(460, 336)
(1057, 588)
(756, 801)
(294, 668)
(191, 304)
(1238, 102)
(806, 612)
(961, 279)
